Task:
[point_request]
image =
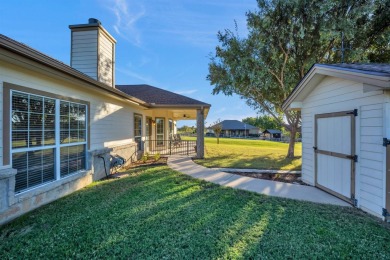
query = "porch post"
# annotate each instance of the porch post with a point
(200, 133)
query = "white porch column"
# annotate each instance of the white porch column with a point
(200, 133)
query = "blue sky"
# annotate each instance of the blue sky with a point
(164, 43)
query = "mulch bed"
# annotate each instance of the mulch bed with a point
(282, 177)
(149, 162)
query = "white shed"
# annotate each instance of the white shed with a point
(345, 112)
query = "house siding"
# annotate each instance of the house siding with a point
(106, 60)
(111, 131)
(1, 123)
(84, 52)
(335, 95)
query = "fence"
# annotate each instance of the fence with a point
(170, 147)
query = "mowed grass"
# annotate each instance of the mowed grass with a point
(157, 213)
(247, 154)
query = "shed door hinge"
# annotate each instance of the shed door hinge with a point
(386, 142)
(353, 157)
(354, 201)
(354, 112)
(385, 213)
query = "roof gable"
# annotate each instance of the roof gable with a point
(376, 75)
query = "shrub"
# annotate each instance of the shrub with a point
(157, 157)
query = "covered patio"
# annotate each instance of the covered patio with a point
(157, 132)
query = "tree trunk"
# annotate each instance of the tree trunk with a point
(291, 145)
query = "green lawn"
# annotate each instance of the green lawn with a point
(246, 154)
(157, 213)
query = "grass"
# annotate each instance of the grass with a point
(247, 154)
(157, 213)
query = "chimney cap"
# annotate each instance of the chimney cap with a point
(94, 21)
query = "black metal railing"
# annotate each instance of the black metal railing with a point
(169, 147)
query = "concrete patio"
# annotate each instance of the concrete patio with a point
(271, 188)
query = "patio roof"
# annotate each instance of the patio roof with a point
(183, 108)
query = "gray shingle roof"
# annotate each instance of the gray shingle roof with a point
(236, 125)
(158, 96)
(272, 131)
(368, 68)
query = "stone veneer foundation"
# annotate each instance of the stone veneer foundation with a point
(13, 205)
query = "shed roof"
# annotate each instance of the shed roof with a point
(372, 75)
(236, 125)
(158, 96)
(368, 68)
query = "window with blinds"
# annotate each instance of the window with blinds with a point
(44, 129)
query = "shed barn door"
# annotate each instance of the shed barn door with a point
(335, 153)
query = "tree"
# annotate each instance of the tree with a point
(263, 122)
(285, 39)
(217, 128)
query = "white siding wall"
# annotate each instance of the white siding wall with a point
(111, 120)
(335, 95)
(106, 65)
(1, 123)
(84, 52)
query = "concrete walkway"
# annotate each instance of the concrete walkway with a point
(266, 187)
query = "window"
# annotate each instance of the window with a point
(160, 131)
(72, 137)
(138, 130)
(44, 129)
(170, 123)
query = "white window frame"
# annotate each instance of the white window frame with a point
(57, 146)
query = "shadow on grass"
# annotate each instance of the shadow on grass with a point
(159, 213)
(264, 162)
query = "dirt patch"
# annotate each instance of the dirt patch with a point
(282, 177)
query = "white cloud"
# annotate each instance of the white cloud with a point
(186, 92)
(220, 111)
(125, 25)
(134, 75)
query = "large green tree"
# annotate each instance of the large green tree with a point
(263, 122)
(285, 39)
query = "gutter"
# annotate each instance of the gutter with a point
(34, 55)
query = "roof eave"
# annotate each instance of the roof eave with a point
(319, 71)
(36, 56)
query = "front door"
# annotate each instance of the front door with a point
(335, 153)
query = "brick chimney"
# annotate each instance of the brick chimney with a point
(93, 51)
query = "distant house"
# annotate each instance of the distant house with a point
(272, 134)
(61, 124)
(235, 128)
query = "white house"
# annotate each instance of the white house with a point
(59, 123)
(345, 112)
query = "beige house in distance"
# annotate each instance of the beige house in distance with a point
(60, 124)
